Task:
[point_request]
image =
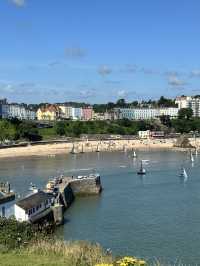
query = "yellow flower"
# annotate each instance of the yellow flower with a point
(130, 261)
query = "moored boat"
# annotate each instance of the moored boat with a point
(142, 171)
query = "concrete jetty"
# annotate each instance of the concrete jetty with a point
(49, 204)
(68, 188)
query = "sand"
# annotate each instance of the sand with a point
(88, 146)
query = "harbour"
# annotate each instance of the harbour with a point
(157, 209)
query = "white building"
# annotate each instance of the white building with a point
(145, 113)
(66, 112)
(189, 102)
(17, 111)
(183, 101)
(194, 104)
(144, 134)
(169, 111)
(69, 112)
(33, 205)
(7, 205)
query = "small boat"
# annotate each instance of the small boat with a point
(98, 150)
(82, 149)
(196, 151)
(183, 174)
(73, 151)
(124, 148)
(33, 188)
(142, 171)
(191, 157)
(134, 155)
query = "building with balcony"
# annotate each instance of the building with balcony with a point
(194, 104)
(183, 101)
(145, 113)
(189, 102)
(16, 111)
(66, 112)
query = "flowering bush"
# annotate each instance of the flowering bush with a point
(130, 261)
(126, 261)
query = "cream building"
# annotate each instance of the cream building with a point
(48, 113)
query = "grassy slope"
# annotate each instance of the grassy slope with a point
(55, 253)
(24, 259)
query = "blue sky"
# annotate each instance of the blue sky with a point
(98, 50)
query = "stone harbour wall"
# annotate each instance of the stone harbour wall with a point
(86, 186)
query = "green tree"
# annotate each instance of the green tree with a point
(28, 130)
(121, 103)
(165, 120)
(60, 128)
(7, 131)
(185, 113)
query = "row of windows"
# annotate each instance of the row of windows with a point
(35, 209)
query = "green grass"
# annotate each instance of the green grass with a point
(25, 259)
(54, 253)
(47, 133)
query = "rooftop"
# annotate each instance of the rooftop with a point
(33, 200)
(6, 197)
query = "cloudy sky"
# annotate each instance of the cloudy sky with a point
(98, 50)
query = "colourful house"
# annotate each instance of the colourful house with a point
(87, 113)
(48, 113)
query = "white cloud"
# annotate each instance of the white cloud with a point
(18, 3)
(122, 93)
(195, 73)
(104, 70)
(174, 81)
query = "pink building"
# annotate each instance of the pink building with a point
(87, 113)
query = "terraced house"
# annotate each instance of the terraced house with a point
(48, 113)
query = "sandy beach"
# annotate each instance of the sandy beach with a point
(88, 146)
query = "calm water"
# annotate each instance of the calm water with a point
(153, 216)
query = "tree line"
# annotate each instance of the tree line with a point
(27, 130)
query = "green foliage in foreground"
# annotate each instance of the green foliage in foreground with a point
(56, 253)
(14, 234)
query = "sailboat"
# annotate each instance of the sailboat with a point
(97, 150)
(124, 148)
(142, 171)
(73, 151)
(191, 157)
(134, 154)
(82, 150)
(183, 174)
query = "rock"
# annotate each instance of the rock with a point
(183, 142)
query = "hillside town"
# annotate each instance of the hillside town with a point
(56, 112)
